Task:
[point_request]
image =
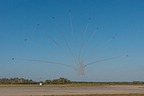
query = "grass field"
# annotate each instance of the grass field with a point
(68, 85)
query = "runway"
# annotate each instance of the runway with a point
(63, 90)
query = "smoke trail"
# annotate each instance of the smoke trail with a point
(83, 40)
(81, 68)
(66, 42)
(71, 25)
(50, 62)
(88, 42)
(102, 60)
(102, 46)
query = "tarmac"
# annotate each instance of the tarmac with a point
(64, 90)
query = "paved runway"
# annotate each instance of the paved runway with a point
(49, 90)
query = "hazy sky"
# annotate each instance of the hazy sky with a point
(67, 31)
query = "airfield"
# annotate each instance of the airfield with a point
(70, 90)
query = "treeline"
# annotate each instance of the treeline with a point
(29, 81)
(63, 81)
(16, 81)
(110, 83)
(58, 81)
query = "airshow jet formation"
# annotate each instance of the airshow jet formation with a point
(79, 60)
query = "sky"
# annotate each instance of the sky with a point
(48, 39)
